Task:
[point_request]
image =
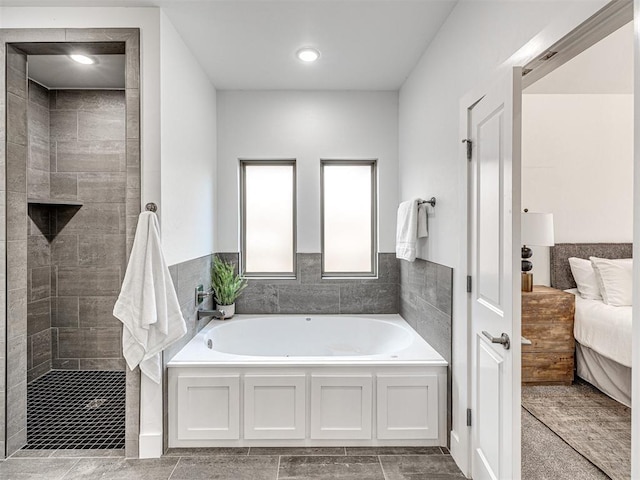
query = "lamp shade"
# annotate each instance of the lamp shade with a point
(537, 229)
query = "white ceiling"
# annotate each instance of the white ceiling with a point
(59, 71)
(243, 44)
(605, 68)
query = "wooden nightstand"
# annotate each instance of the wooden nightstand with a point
(547, 321)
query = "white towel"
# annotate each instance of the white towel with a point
(407, 230)
(148, 305)
(423, 225)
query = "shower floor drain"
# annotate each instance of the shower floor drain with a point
(97, 403)
(75, 409)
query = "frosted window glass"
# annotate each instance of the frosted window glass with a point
(268, 218)
(347, 218)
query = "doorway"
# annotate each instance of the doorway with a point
(577, 145)
(62, 182)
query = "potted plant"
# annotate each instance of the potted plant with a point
(226, 285)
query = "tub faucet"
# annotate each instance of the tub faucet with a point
(216, 314)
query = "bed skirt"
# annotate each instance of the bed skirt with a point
(603, 373)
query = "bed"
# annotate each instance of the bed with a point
(602, 332)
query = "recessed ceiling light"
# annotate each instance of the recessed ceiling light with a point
(308, 54)
(83, 59)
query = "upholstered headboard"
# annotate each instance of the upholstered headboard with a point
(561, 277)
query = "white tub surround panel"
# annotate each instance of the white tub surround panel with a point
(307, 381)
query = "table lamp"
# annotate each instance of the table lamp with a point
(536, 230)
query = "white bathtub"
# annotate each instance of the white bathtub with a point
(307, 380)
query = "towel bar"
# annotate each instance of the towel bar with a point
(431, 201)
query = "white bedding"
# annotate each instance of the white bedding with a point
(603, 328)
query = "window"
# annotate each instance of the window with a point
(268, 203)
(348, 217)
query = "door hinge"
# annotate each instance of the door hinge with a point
(469, 147)
(468, 283)
(468, 417)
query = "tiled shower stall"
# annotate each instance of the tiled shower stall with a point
(72, 197)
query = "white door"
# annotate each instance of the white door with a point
(494, 222)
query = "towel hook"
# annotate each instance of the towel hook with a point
(151, 207)
(431, 201)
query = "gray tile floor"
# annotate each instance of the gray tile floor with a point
(362, 463)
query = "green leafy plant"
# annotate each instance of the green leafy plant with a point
(226, 285)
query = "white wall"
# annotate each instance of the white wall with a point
(477, 38)
(188, 150)
(307, 126)
(577, 159)
(178, 151)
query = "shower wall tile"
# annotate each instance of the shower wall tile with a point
(16, 162)
(64, 250)
(16, 83)
(79, 343)
(102, 187)
(39, 95)
(97, 312)
(92, 219)
(101, 250)
(40, 283)
(88, 281)
(16, 313)
(16, 216)
(17, 264)
(102, 364)
(103, 125)
(16, 119)
(65, 313)
(89, 251)
(39, 152)
(17, 361)
(84, 156)
(41, 347)
(64, 126)
(64, 186)
(87, 100)
(37, 371)
(38, 316)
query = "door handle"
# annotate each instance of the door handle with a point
(502, 339)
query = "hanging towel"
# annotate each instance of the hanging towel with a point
(148, 305)
(407, 230)
(423, 224)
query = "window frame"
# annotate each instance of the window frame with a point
(373, 163)
(243, 163)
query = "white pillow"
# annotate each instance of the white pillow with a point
(615, 279)
(585, 277)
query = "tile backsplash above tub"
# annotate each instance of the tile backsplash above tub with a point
(310, 293)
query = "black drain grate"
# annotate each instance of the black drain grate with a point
(76, 409)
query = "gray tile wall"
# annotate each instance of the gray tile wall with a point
(310, 293)
(88, 252)
(39, 234)
(425, 303)
(16, 264)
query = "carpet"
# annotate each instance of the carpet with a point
(596, 426)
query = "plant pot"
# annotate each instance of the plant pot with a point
(229, 310)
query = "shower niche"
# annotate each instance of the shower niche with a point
(72, 190)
